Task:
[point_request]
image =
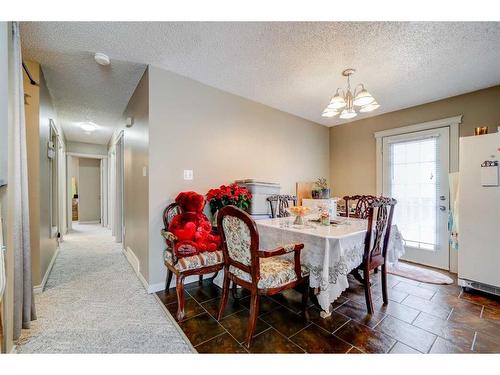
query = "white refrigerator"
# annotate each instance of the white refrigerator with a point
(479, 213)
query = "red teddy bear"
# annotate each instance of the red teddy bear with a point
(191, 227)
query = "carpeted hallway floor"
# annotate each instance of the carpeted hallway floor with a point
(94, 303)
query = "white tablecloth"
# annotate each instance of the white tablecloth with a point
(330, 252)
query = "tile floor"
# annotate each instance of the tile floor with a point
(420, 318)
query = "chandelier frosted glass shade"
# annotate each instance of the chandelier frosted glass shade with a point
(363, 98)
(329, 113)
(370, 107)
(348, 113)
(349, 102)
(337, 102)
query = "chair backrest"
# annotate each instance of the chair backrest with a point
(279, 204)
(240, 240)
(362, 204)
(380, 212)
(169, 212)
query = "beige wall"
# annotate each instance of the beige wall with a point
(352, 145)
(136, 185)
(86, 148)
(32, 118)
(48, 244)
(38, 111)
(89, 185)
(221, 137)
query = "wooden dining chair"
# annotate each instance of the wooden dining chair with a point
(362, 203)
(379, 215)
(262, 272)
(199, 264)
(280, 203)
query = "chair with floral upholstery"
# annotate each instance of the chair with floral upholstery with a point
(200, 264)
(263, 272)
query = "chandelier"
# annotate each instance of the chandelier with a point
(347, 102)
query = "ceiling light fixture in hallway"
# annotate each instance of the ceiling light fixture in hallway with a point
(102, 59)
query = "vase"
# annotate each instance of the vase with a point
(299, 220)
(324, 193)
(214, 219)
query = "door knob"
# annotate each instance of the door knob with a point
(442, 208)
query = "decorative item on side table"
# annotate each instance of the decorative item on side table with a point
(481, 130)
(324, 191)
(299, 212)
(228, 195)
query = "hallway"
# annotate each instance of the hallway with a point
(94, 303)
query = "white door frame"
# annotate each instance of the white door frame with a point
(104, 198)
(119, 185)
(451, 122)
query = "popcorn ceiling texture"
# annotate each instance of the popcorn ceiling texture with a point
(294, 67)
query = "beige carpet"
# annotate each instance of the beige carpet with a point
(422, 274)
(94, 303)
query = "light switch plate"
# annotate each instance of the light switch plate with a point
(144, 171)
(188, 174)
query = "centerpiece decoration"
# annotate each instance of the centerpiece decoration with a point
(299, 212)
(324, 214)
(322, 191)
(225, 195)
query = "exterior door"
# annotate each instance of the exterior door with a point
(415, 172)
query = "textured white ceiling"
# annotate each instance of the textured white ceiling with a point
(292, 66)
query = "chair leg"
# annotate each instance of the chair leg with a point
(214, 276)
(252, 321)
(368, 291)
(357, 276)
(385, 296)
(225, 295)
(200, 280)
(234, 291)
(179, 287)
(169, 280)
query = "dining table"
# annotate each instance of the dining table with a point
(330, 251)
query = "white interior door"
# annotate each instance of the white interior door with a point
(415, 172)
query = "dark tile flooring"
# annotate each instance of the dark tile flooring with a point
(420, 318)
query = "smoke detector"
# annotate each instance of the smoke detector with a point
(102, 59)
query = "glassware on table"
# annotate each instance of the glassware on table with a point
(324, 214)
(299, 212)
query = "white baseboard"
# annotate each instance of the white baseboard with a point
(89, 222)
(134, 262)
(151, 288)
(38, 289)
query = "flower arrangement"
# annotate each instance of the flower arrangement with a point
(299, 212)
(322, 191)
(227, 195)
